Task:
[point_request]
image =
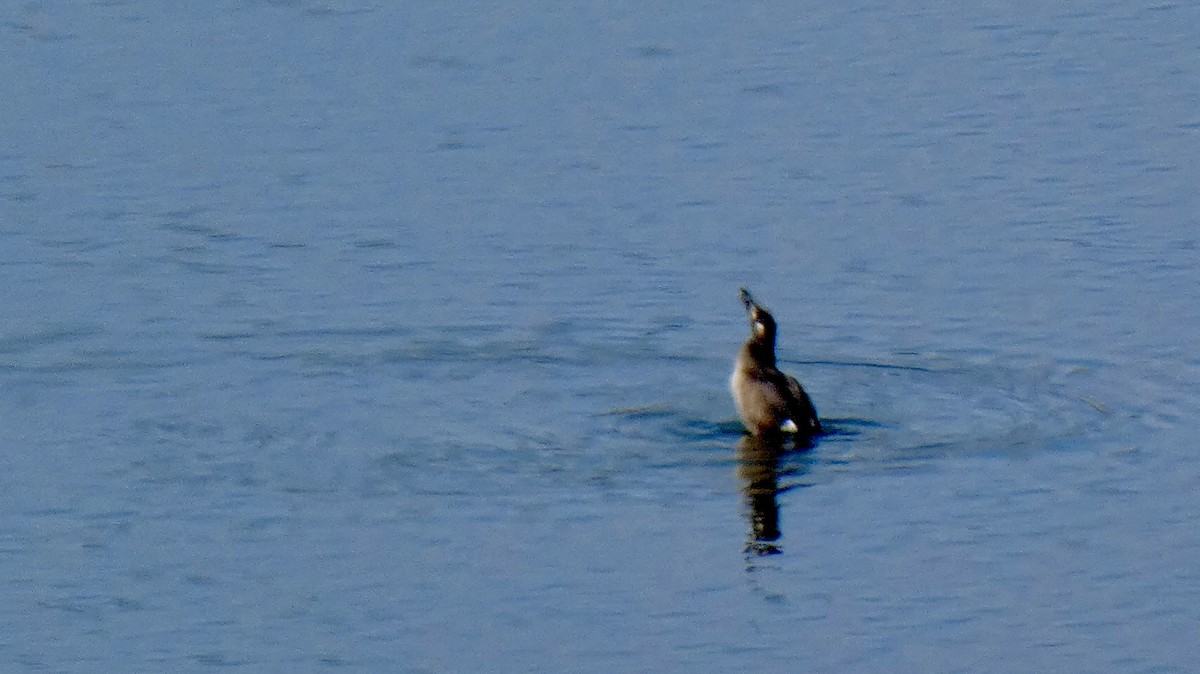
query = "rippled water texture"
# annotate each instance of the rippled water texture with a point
(396, 336)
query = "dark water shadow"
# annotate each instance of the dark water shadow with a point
(765, 470)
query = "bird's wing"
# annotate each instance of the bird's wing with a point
(803, 411)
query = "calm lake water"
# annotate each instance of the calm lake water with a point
(396, 336)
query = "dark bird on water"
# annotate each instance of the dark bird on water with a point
(770, 403)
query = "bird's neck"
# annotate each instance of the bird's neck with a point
(761, 351)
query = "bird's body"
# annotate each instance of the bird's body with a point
(770, 402)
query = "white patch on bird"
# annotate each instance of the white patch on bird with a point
(759, 328)
(789, 426)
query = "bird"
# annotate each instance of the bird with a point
(771, 403)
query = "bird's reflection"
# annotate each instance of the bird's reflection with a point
(758, 468)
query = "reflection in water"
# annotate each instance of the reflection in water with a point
(758, 467)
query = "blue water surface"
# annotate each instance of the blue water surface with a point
(396, 336)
